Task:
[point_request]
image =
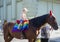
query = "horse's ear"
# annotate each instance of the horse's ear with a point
(50, 13)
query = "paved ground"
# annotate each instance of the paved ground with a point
(55, 36)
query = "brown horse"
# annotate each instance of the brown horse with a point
(30, 33)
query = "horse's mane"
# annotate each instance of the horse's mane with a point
(38, 21)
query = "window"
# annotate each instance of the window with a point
(9, 2)
(41, 0)
(19, 0)
(1, 3)
(0, 13)
(41, 8)
(19, 8)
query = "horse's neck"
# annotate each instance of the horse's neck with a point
(39, 21)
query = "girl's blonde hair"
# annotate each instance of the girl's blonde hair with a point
(25, 9)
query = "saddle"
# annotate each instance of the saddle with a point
(20, 25)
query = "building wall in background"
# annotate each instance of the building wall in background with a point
(12, 9)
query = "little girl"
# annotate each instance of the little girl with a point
(24, 12)
(22, 24)
(25, 21)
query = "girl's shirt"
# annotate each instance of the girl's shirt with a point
(24, 17)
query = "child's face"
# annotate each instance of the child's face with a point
(24, 11)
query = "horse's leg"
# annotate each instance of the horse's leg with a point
(34, 40)
(6, 38)
(10, 38)
(31, 40)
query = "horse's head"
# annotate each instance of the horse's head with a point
(52, 21)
